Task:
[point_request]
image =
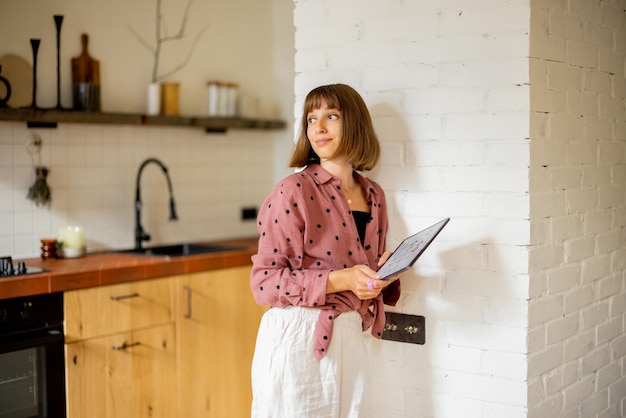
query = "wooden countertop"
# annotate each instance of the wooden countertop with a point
(104, 268)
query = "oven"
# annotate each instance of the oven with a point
(32, 373)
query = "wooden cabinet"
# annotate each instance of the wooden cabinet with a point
(180, 346)
(130, 374)
(121, 351)
(217, 325)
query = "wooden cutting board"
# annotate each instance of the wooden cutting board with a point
(85, 69)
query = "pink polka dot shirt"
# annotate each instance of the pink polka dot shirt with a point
(306, 231)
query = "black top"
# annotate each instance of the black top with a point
(360, 219)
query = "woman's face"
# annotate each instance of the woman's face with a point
(324, 130)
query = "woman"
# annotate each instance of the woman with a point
(322, 239)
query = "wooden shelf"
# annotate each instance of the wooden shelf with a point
(49, 118)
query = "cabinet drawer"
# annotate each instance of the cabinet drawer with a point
(117, 308)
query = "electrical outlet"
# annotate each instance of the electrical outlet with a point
(404, 328)
(248, 213)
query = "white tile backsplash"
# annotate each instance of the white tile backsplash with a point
(93, 171)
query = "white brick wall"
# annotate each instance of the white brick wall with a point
(524, 292)
(577, 67)
(447, 84)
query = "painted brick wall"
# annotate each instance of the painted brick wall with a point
(450, 85)
(577, 336)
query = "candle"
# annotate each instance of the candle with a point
(71, 236)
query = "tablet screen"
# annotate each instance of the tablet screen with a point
(409, 250)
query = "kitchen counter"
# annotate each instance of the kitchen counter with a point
(97, 269)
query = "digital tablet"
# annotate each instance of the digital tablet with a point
(409, 250)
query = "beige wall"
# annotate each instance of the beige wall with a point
(236, 46)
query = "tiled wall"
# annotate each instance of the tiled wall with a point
(450, 86)
(93, 170)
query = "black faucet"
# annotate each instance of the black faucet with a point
(140, 234)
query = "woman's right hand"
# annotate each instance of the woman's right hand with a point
(364, 282)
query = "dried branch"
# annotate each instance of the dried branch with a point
(189, 54)
(183, 25)
(160, 39)
(157, 48)
(141, 40)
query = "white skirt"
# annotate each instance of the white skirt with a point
(287, 379)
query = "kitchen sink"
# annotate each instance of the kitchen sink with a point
(177, 250)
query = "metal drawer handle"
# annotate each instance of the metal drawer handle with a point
(188, 314)
(125, 346)
(131, 295)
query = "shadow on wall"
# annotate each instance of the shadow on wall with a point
(395, 364)
(468, 303)
(478, 325)
(390, 172)
(467, 288)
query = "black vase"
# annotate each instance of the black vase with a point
(58, 21)
(34, 43)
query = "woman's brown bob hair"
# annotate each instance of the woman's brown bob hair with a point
(359, 143)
